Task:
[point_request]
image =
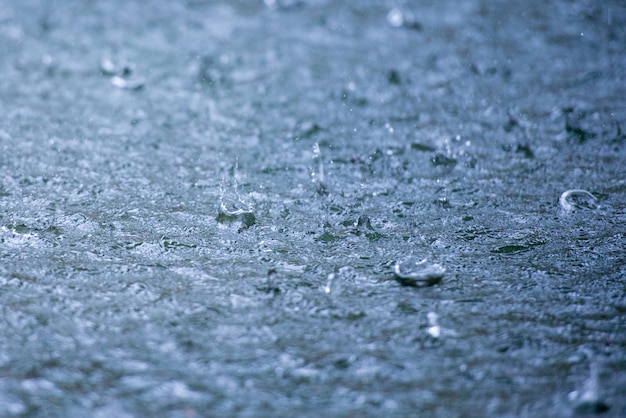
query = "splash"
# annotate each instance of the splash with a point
(577, 199)
(415, 272)
(317, 173)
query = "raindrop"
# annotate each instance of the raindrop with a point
(577, 199)
(415, 272)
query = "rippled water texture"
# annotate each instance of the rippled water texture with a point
(221, 208)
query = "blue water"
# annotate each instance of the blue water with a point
(202, 204)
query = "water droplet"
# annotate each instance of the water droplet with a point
(415, 272)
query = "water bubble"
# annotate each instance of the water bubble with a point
(577, 199)
(416, 272)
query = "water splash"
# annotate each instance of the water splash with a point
(435, 330)
(317, 173)
(577, 199)
(232, 207)
(416, 272)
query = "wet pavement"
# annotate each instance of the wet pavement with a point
(312, 208)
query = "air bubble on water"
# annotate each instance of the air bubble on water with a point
(418, 272)
(577, 199)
